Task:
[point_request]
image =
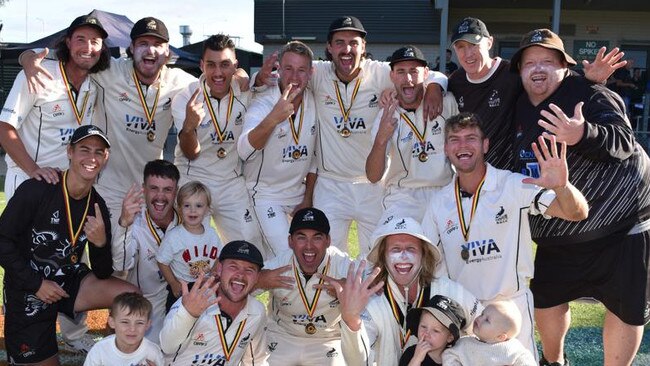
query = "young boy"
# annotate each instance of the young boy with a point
(437, 326)
(130, 318)
(494, 342)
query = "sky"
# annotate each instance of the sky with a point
(28, 20)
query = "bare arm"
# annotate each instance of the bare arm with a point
(258, 136)
(14, 146)
(173, 282)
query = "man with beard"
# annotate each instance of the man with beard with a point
(219, 323)
(485, 85)
(134, 108)
(142, 225)
(606, 255)
(209, 116)
(415, 163)
(35, 128)
(277, 146)
(374, 326)
(44, 231)
(304, 320)
(347, 90)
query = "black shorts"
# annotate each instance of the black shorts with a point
(613, 270)
(30, 324)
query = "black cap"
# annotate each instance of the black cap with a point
(347, 23)
(310, 218)
(86, 131)
(87, 20)
(150, 27)
(447, 311)
(471, 30)
(242, 250)
(408, 53)
(544, 38)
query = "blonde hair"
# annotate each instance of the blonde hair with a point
(427, 267)
(190, 189)
(510, 317)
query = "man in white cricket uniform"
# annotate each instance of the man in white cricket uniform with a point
(373, 330)
(36, 128)
(303, 326)
(480, 220)
(227, 330)
(277, 146)
(407, 150)
(209, 116)
(347, 92)
(141, 229)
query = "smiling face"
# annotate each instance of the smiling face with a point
(408, 78)
(159, 194)
(309, 247)
(194, 209)
(149, 56)
(219, 68)
(236, 279)
(403, 257)
(474, 58)
(347, 49)
(129, 328)
(542, 71)
(465, 148)
(88, 157)
(295, 69)
(85, 45)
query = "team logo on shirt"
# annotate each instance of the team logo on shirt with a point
(54, 220)
(461, 102)
(374, 102)
(355, 125)
(329, 101)
(239, 120)
(334, 303)
(167, 105)
(65, 134)
(270, 213)
(245, 341)
(419, 148)
(285, 301)
(139, 125)
(302, 319)
(332, 353)
(281, 133)
(26, 351)
(494, 100)
(57, 111)
(199, 340)
(124, 97)
(436, 129)
(501, 217)
(247, 216)
(450, 227)
(272, 346)
(312, 130)
(293, 153)
(228, 136)
(209, 359)
(481, 250)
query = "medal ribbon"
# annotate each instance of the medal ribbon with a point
(296, 132)
(74, 234)
(464, 227)
(346, 112)
(310, 307)
(397, 312)
(411, 124)
(228, 348)
(221, 133)
(152, 228)
(149, 114)
(79, 115)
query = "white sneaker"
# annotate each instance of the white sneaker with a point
(81, 345)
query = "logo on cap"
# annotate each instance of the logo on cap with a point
(409, 52)
(443, 304)
(536, 37)
(347, 22)
(309, 216)
(401, 225)
(464, 27)
(151, 25)
(92, 21)
(244, 249)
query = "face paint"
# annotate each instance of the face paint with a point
(401, 257)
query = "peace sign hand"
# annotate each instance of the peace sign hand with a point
(284, 107)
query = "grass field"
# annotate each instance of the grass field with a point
(583, 343)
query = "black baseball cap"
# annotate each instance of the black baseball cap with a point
(472, 30)
(447, 311)
(310, 218)
(347, 23)
(86, 131)
(408, 53)
(544, 38)
(150, 26)
(86, 20)
(242, 250)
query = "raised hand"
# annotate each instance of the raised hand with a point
(194, 112)
(355, 293)
(95, 229)
(432, 102)
(265, 75)
(284, 107)
(554, 172)
(604, 65)
(388, 122)
(275, 278)
(201, 296)
(566, 129)
(131, 205)
(35, 74)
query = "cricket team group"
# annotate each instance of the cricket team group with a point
(450, 181)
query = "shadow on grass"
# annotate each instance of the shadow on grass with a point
(584, 347)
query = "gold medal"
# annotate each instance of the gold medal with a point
(151, 136)
(221, 153)
(310, 329)
(296, 154)
(345, 132)
(423, 157)
(73, 259)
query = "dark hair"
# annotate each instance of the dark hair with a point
(462, 121)
(63, 54)
(161, 168)
(132, 302)
(218, 42)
